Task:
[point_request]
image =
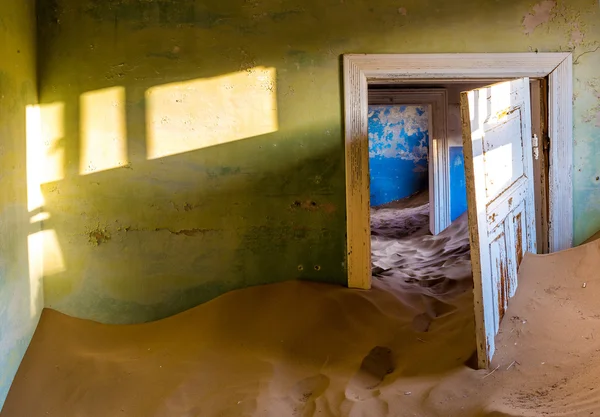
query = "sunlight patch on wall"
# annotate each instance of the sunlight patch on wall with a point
(40, 217)
(103, 130)
(54, 262)
(196, 114)
(52, 118)
(35, 245)
(45, 154)
(33, 126)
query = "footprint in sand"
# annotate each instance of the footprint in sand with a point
(373, 369)
(436, 308)
(304, 393)
(433, 309)
(421, 323)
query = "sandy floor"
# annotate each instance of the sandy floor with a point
(305, 349)
(432, 271)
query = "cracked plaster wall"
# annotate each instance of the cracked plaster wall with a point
(149, 237)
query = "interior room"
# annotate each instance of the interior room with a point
(430, 263)
(188, 227)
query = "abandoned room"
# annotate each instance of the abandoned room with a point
(286, 208)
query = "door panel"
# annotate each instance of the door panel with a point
(502, 155)
(496, 124)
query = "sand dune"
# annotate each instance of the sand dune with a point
(433, 271)
(306, 349)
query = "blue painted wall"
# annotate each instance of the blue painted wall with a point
(458, 185)
(398, 149)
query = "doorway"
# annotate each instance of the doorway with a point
(362, 70)
(419, 230)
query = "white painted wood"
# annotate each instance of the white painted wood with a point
(439, 170)
(457, 66)
(360, 69)
(560, 115)
(496, 124)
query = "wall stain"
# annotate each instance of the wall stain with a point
(308, 205)
(593, 114)
(190, 232)
(183, 232)
(98, 236)
(172, 55)
(145, 13)
(223, 171)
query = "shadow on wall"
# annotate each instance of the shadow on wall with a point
(140, 230)
(21, 297)
(169, 181)
(258, 189)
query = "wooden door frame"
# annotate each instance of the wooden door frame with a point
(362, 69)
(539, 130)
(439, 174)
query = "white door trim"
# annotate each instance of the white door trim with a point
(439, 173)
(362, 69)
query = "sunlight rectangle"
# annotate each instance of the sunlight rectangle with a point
(499, 169)
(33, 138)
(196, 114)
(35, 244)
(45, 153)
(103, 130)
(53, 260)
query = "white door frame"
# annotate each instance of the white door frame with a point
(439, 182)
(362, 69)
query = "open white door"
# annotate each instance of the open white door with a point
(496, 124)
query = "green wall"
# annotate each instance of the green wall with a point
(20, 263)
(144, 230)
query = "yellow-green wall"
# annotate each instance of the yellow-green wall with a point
(139, 237)
(21, 297)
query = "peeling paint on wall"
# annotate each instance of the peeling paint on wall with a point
(398, 132)
(593, 114)
(398, 152)
(539, 15)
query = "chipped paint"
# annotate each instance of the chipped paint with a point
(539, 15)
(519, 238)
(98, 236)
(398, 151)
(577, 36)
(502, 289)
(398, 131)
